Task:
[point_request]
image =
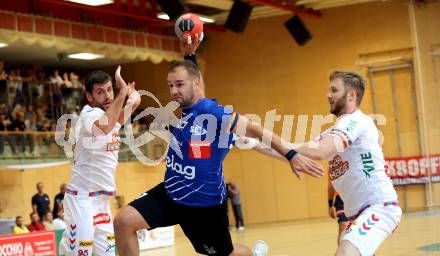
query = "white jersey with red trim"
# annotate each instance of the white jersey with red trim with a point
(358, 173)
(95, 157)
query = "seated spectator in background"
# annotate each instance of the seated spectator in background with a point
(35, 225)
(58, 200)
(19, 228)
(29, 111)
(40, 201)
(4, 109)
(17, 108)
(48, 221)
(58, 222)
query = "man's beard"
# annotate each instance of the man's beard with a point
(339, 106)
(100, 105)
(187, 101)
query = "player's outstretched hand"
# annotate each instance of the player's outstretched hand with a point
(120, 83)
(306, 165)
(190, 48)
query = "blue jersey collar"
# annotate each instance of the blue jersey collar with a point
(198, 106)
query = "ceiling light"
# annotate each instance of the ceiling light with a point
(85, 56)
(165, 16)
(206, 19)
(92, 2)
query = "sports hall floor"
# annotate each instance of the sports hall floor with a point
(418, 234)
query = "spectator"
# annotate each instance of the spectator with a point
(19, 126)
(59, 221)
(28, 77)
(56, 78)
(136, 128)
(31, 127)
(3, 84)
(35, 225)
(29, 111)
(38, 88)
(41, 116)
(4, 109)
(12, 138)
(18, 87)
(75, 81)
(40, 201)
(46, 138)
(58, 101)
(234, 195)
(58, 201)
(17, 108)
(11, 86)
(19, 228)
(66, 82)
(48, 221)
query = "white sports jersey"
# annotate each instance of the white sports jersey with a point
(95, 157)
(358, 173)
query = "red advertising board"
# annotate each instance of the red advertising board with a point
(40, 243)
(414, 169)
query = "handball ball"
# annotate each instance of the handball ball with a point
(187, 26)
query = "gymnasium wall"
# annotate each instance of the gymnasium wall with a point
(18, 187)
(425, 29)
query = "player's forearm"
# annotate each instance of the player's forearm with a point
(322, 150)
(108, 121)
(311, 152)
(259, 147)
(254, 130)
(269, 152)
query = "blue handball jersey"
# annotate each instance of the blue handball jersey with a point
(198, 146)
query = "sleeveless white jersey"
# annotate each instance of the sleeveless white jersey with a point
(358, 173)
(95, 157)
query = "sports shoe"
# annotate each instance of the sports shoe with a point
(261, 248)
(241, 228)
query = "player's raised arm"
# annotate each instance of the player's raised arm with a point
(298, 162)
(133, 102)
(107, 122)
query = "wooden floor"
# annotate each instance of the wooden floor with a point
(318, 237)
